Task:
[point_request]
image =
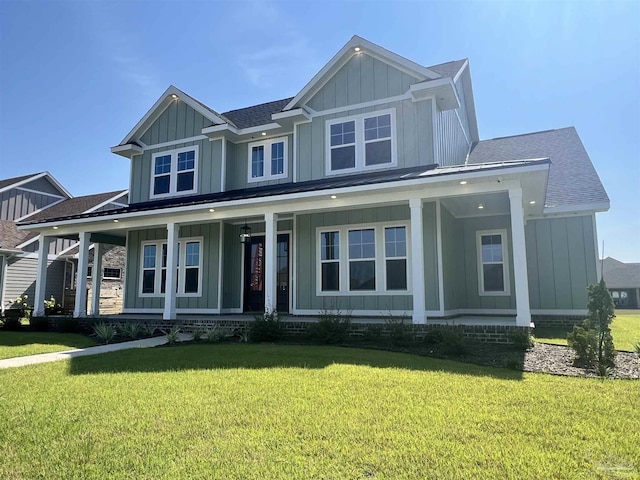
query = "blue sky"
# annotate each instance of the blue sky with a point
(76, 76)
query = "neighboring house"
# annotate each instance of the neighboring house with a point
(623, 282)
(38, 197)
(368, 192)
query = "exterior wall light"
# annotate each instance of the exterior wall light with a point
(245, 234)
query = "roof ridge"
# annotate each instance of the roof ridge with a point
(258, 105)
(528, 133)
(450, 61)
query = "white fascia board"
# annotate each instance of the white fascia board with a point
(107, 202)
(150, 116)
(236, 134)
(296, 115)
(58, 185)
(346, 52)
(462, 69)
(589, 207)
(127, 151)
(388, 193)
(442, 89)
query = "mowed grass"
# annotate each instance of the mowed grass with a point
(18, 344)
(625, 330)
(298, 412)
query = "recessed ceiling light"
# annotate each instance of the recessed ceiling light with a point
(463, 182)
(481, 206)
(334, 197)
(174, 96)
(264, 134)
(55, 228)
(115, 221)
(532, 202)
(212, 210)
(357, 49)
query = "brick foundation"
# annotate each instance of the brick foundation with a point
(557, 320)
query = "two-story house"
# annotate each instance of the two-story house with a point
(368, 192)
(38, 197)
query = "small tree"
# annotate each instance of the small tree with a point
(593, 342)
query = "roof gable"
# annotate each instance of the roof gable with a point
(177, 121)
(42, 181)
(76, 206)
(171, 95)
(357, 46)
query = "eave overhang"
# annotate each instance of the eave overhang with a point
(128, 150)
(442, 89)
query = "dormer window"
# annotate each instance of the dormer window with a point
(267, 160)
(174, 172)
(361, 143)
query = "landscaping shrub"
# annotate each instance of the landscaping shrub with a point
(521, 340)
(130, 330)
(373, 332)
(51, 307)
(266, 328)
(331, 328)
(11, 320)
(433, 336)
(173, 335)
(69, 325)
(104, 332)
(39, 324)
(454, 342)
(400, 332)
(198, 334)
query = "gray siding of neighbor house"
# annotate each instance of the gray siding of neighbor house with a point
(414, 137)
(43, 185)
(21, 278)
(210, 261)
(561, 262)
(306, 253)
(238, 165)
(209, 169)
(233, 260)
(178, 121)
(18, 203)
(362, 79)
(460, 262)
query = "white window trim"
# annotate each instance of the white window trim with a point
(173, 174)
(104, 276)
(505, 263)
(360, 142)
(181, 267)
(267, 160)
(380, 260)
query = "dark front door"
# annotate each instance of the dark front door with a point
(254, 263)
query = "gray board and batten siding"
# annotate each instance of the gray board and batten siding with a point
(16, 203)
(178, 121)
(21, 278)
(210, 233)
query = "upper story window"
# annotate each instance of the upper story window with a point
(493, 272)
(364, 142)
(174, 172)
(267, 160)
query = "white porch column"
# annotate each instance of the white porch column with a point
(41, 275)
(172, 266)
(417, 262)
(271, 260)
(80, 309)
(96, 279)
(523, 312)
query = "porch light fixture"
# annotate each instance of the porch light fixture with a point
(357, 49)
(334, 197)
(463, 182)
(55, 228)
(481, 206)
(245, 235)
(532, 202)
(212, 210)
(174, 96)
(115, 221)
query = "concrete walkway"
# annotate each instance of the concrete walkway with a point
(82, 352)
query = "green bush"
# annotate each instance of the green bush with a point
(522, 340)
(130, 330)
(454, 342)
(104, 332)
(68, 325)
(216, 334)
(266, 328)
(584, 342)
(330, 329)
(173, 335)
(198, 334)
(433, 336)
(12, 319)
(39, 324)
(400, 332)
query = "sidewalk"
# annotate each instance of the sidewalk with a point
(82, 352)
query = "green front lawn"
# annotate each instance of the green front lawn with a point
(18, 344)
(285, 412)
(625, 329)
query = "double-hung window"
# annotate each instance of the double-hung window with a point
(267, 160)
(188, 270)
(371, 259)
(360, 143)
(493, 271)
(174, 172)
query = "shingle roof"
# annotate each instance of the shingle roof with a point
(73, 206)
(10, 181)
(257, 114)
(370, 178)
(617, 274)
(448, 69)
(10, 236)
(572, 178)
